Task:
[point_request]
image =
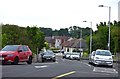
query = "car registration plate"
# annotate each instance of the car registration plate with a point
(103, 62)
(48, 58)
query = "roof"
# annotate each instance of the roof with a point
(75, 43)
(52, 39)
(49, 39)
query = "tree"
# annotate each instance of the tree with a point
(15, 35)
(47, 31)
(100, 37)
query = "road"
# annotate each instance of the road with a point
(62, 68)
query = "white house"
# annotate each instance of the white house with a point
(58, 43)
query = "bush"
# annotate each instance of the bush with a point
(55, 50)
(85, 54)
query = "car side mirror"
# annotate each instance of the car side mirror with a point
(19, 50)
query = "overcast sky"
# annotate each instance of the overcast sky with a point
(56, 14)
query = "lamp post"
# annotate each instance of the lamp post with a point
(81, 51)
(90, 36)
(108, 24)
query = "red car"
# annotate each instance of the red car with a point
(16, 54)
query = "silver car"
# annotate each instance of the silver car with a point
(75, 56)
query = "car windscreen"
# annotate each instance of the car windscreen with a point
(48, 53)
(103, 53)
(68, 53)
(10, 48)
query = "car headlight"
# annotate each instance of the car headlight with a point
(110, 58)
(10, 55)
(53, 56)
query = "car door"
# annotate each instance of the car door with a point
(21, 53)
(26, 52)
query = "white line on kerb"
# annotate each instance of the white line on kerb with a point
(106, 70)
(40, 66)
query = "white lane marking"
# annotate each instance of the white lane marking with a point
(45, 63)
(94, 70)
(56, 62)
(41, 66)
(106, 70)
(87, 64)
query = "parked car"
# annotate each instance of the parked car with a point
(15, 54)
(91, 56)
(66, 55)
(101, 57)
(48, 55)
(75, 56)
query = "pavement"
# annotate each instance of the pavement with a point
(61, 69)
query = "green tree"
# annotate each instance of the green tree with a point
(100, 37)
(31, 36)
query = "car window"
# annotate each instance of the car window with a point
(25, 48)
(21, 48)
(103, 53)
(10, 48)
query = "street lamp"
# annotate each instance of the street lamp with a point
(108, 24)
(81, 51)
(90, 36)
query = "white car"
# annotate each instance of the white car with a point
(67, 55)
(75, 56)
(101, 57)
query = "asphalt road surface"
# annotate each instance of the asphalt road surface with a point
(62, 68)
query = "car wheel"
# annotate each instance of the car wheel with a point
(43, 60)
(29, 60)
(111, 66)
(16, 60)
(90, 62)
(54, 60)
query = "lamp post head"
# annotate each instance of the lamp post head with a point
(101, 6)
(84, 21)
